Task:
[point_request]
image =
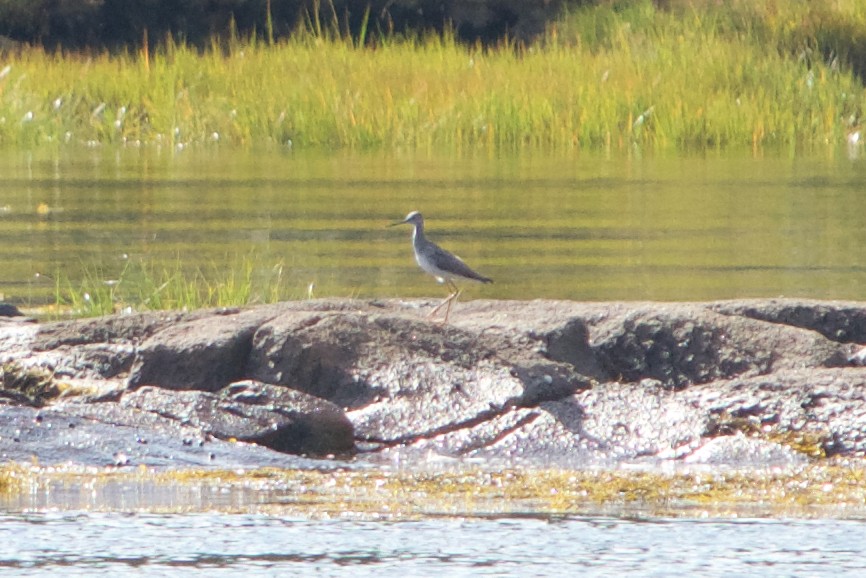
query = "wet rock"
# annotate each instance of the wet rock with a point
(32, 386)
(272, 416)
(98, 434)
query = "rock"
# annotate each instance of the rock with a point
(537, 382)
(272, 416)
(681, 345)
(744, 452)
(858, 357)
(97, 433)
(204, 354)
(7, 309)
(842, 321)
(402, 378)
(822, 411)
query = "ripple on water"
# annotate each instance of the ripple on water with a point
(215, 544)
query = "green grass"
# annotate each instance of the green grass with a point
(623, 74)
(142, 286)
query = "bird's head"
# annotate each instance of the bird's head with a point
(413, 218)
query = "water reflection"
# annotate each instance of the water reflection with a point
(582, 227)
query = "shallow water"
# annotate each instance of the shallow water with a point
(582, 227)
(218, 544)
(133, 526)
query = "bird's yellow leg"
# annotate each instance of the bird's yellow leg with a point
(455, 292)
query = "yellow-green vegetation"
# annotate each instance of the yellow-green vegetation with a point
(13, 478)
(141, 286)
(31, 385)
(696, 75)
(809, 491)
(810, 442)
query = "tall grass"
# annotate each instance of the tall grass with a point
(768, 72)
(142, 286)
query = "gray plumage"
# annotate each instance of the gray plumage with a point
(444, 266)
(436, 261)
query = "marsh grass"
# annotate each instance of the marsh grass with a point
(623, 74)
(142, 286)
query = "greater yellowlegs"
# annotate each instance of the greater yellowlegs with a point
(436, 261)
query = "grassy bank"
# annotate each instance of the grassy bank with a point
(780, 73)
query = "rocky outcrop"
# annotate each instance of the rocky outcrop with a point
(546, 382)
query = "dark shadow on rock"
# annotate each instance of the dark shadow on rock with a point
(570, 344)
(202, 354)
(268, 415)
(9, 310)
(681, 345)
(315, 353)
(837, 321)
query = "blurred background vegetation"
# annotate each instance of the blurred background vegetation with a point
(122, 23)
(506, 74)
(825, 27)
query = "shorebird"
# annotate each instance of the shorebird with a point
(444, 266)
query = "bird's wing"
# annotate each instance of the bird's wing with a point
(450, 263)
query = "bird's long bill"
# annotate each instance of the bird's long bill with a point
(397, 223)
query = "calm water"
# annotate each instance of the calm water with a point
(584, 227)
(113, 544)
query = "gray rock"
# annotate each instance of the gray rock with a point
(401, 378)
(107, 434)
(202, 354)
(744, 452)
(685, 344)
(842, 321)
(546, 382)
(272, 416)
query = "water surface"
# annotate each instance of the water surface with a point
(215, 544)
(583, 227)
